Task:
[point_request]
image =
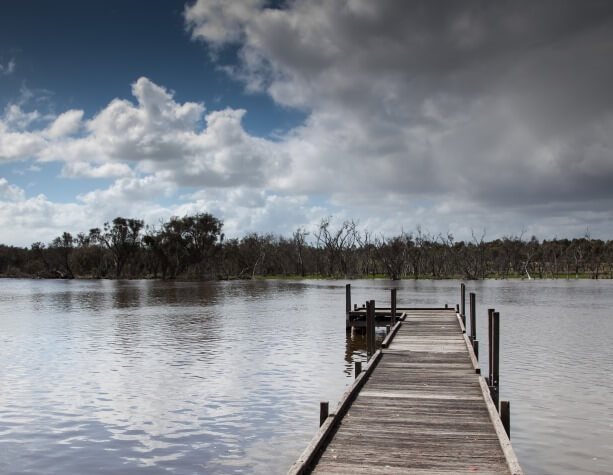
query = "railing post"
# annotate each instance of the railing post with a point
(323, 412)
(505, 416)
(473, 316)
(393, 307)
(358, 368)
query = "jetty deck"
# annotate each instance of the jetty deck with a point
(419, 407)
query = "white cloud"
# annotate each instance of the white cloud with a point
(10, 192)
(8, 68)
(16, 119)
(125, 190)
(246, 210)
(86, 170)
(220, 21)
(157, 134)
(65, 124)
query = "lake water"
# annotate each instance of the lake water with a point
(108, 377)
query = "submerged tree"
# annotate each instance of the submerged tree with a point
(122, 238)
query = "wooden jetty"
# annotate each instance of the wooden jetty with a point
(420, 406)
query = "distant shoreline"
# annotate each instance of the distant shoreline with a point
(308, 277)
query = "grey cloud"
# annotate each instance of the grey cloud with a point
(501, 104)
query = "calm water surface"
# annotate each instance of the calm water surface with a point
(153, 377)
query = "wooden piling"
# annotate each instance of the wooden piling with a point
(393, 307)
(505, 416)
(490, 314)
(347, 306)
(473, 316)
(370, 327)
(463, 303)
(476, 348)
(323, 412)
(358, 368)
(495, 355)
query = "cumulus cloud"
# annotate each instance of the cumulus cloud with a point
(220, 21)
(246, 210)
(156, 134)
(505, 105)
(65, 124)
(126, 190)
(87, 170)
(453, 115)
(10, 192)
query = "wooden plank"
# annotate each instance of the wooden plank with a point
(421, 409)
(310, 454)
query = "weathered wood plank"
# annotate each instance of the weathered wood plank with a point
(423, 410)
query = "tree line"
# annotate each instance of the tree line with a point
(195, 247)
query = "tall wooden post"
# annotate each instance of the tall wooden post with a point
(370, 327)
(463, 303)
(490, 316)
(473, 316)
(347, 306)
(393, 307)
(496, 355)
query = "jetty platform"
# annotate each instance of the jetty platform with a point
(420, 406)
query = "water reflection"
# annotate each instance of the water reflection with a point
(226, 377)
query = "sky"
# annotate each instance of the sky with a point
(468, 118)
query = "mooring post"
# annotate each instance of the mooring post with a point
(463, 303)
(347, 306)
(373, 318)
(505, 416)
(496, 355)
(473, 316)
(490, 316)
(358, 368)
(476, 348)
(323, 412)
(370, 323)
(393, 307)
(373, 327)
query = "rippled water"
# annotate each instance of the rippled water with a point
(226, 377)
